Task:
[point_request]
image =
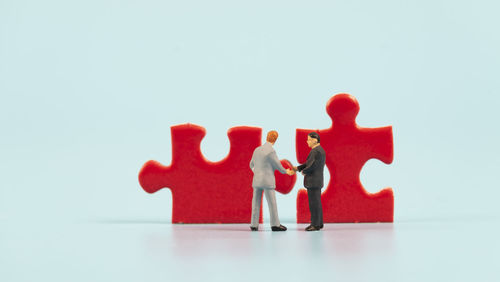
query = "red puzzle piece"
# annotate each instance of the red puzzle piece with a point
(348, 147)
(204, 191)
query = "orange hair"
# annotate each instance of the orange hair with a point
(272, 136)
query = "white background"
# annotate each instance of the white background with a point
(89, 90)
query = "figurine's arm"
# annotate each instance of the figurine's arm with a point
(301, 167)
(276, 162)
(309, 163)
(251, 164)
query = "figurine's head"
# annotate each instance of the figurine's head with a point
(272, 136)
(312, 139)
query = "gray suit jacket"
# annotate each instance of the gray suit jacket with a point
(264, 162)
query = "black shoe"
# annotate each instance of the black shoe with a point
(254, 228)
(313, 228)
(321, 226)
(278, 228)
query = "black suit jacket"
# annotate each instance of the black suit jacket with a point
(313, 168)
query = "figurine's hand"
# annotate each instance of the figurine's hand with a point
(294, 168)
(290, 172)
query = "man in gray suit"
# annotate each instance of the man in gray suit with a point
(263, 164)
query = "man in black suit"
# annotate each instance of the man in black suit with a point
(313, 180)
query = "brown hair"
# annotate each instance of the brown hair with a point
(272, 136)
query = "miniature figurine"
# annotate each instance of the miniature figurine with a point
(263, 164)
(313, 180)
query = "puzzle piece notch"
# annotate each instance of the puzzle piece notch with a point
(348, 147)
(204, 191)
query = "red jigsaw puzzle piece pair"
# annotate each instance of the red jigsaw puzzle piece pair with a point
(221, 192)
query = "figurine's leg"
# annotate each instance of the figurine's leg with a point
(273, 209)
(315, 208)
(320, 210)
(256, 201)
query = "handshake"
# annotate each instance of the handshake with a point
(291, 171)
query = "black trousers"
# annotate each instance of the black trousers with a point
(314, 196)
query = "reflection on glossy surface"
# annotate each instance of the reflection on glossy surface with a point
(138, 250)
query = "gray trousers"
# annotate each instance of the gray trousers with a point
(271, 203)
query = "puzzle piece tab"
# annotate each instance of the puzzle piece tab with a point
(204, 191)
(348, 147)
